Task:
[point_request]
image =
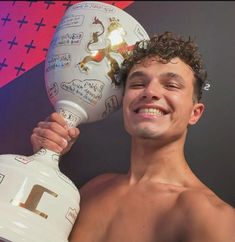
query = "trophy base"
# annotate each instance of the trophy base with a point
(10, 236)
(43, 203)
(15, 233)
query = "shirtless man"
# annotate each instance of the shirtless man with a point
(159, 199)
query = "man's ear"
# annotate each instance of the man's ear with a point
(196, 113)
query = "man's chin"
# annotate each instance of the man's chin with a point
(146, 133)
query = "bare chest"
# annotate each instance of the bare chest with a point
(140, 223)
(131, 218)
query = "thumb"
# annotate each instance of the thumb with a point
(74, 133)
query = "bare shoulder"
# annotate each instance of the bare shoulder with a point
(206, 215)
(203, 198)
(98, 184)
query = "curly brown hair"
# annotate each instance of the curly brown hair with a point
(167, 46)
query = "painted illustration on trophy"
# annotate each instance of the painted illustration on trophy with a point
(33, 199)
(115, 43)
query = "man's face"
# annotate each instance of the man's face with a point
(158, 99)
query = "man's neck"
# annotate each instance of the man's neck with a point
(159, 163)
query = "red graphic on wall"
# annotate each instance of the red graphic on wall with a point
(26, 29)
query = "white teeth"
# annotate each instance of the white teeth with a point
(151, 111)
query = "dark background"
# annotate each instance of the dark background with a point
(104, 146)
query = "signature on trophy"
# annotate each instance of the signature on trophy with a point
(60, 61)
(89, 90)
(67, 39)
(71, 215)
(111, 104)
(52, 90)
(93, 6)
(71, 21)
(23, 159)
(1, 178)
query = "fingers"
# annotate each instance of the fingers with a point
(41, 142)
(53, 134)
(58, 118)
(73, 133)
(46, 129)
(35, 143)
(60, 137)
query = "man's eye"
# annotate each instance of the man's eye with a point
(136, 85)
(172, 85)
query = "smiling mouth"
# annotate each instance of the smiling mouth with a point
(150, 111)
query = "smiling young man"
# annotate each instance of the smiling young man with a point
(159, 199)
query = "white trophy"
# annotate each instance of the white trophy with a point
(37, 202)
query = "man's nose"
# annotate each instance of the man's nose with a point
(152, 91)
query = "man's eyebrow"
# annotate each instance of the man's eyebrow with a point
(173, 75)
(136, 74)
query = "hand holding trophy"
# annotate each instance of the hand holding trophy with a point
(38, 202)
